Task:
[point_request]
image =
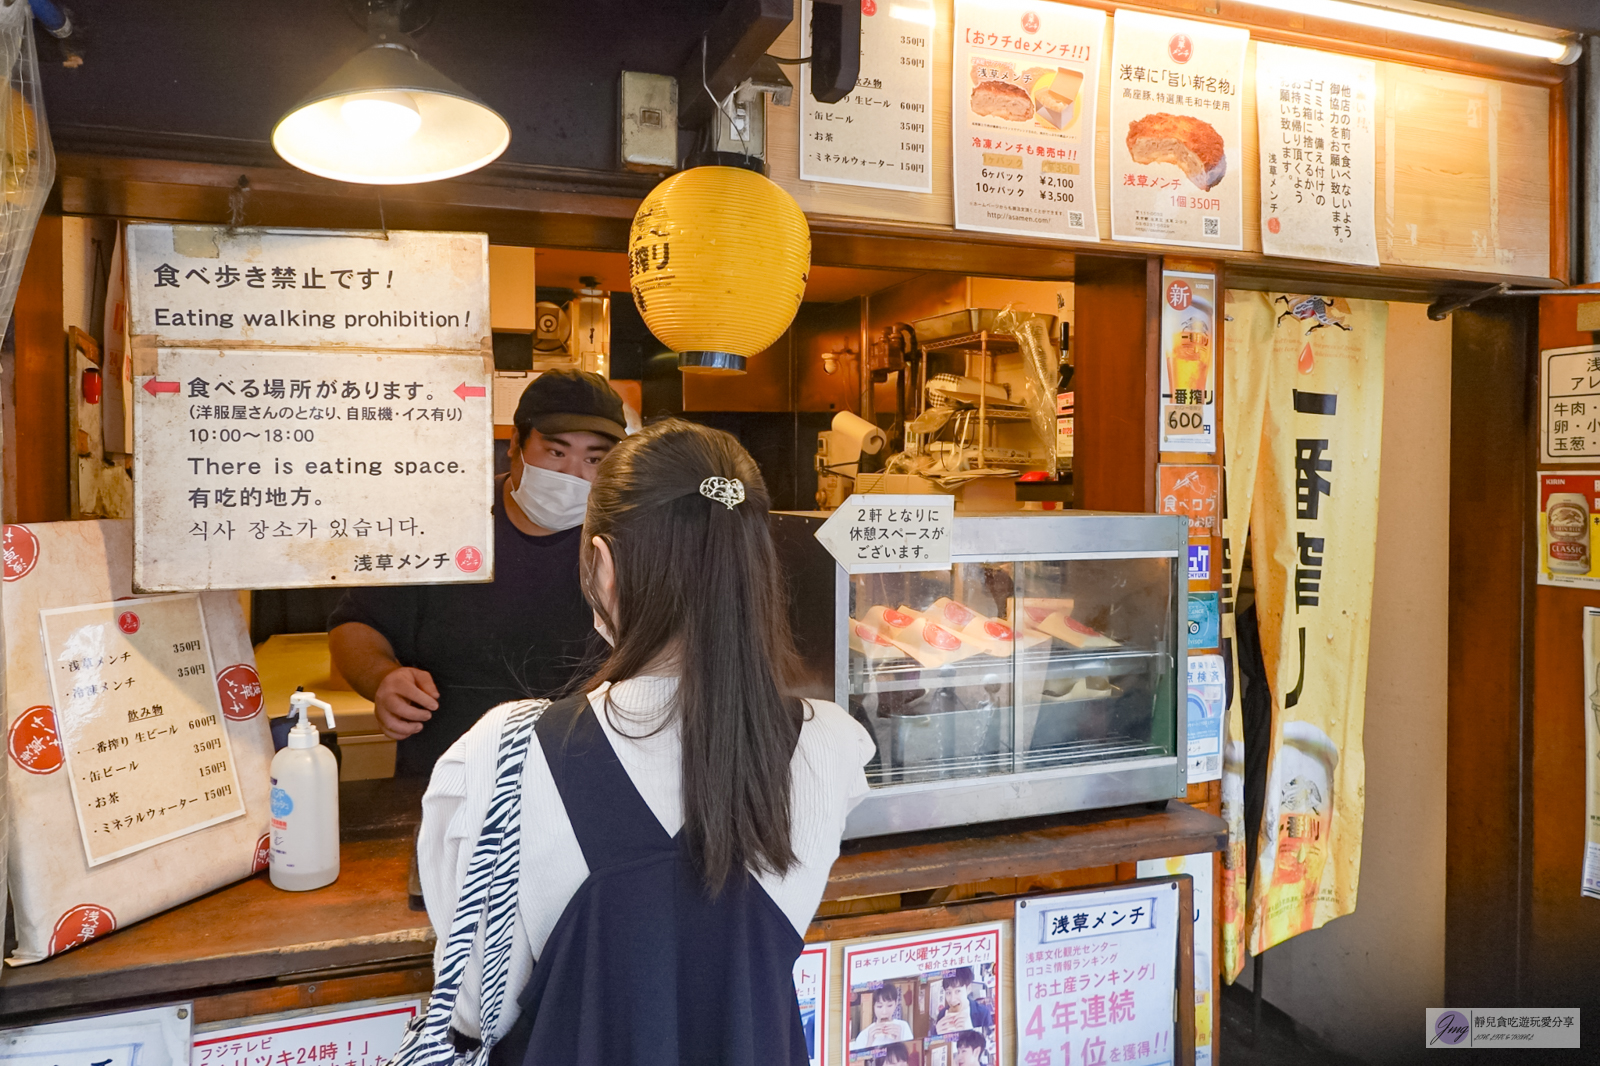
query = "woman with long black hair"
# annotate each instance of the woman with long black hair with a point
(624, 876)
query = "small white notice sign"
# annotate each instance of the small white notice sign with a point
(1095, 974)
(284, 469)
(158, 1036)
(1569, 404)
(882, 534)
(398, 289)
(140, 722)
(881, 135)
(1318, 162)
(366, 1034)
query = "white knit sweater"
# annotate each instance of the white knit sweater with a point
(827, 781)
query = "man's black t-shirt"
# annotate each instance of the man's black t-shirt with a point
(523, 635)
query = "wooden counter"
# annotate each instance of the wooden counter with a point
(264, 949)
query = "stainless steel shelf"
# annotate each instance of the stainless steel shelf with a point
(901, 675)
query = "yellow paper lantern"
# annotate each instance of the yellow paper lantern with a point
(718, 258)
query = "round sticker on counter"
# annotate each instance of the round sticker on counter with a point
(80, 925)
(239, 687)
(21, 552)
(263, 853)
(282, 804)
(468, 560)
(33, 743)
(128, 622)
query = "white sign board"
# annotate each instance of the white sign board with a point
(883, 534)
(1199, 868)
(158, 1036)
(1318, 161)
(1024, 84)
(930, 997)
(139, 722)
(284, 469)
(811, 988)
(881, 135)
(364, 1035)
(400, 289)
(1205, 694)
(1096, 973)
(1569, 404)
(1177, 137)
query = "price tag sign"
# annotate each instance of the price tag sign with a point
(140, 722)
(1188, 362)
(883, 534)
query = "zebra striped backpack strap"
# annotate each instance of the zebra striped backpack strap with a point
(488, 900)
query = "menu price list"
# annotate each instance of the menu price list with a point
(140, 721)
(881, 135)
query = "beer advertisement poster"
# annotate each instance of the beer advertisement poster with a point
(1569, 512)
(1177, 131)
(1188, 369)
(1024, 86)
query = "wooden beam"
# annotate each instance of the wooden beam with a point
(39, 394)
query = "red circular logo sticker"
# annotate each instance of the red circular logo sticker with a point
(1030, 22)
(957, 614)
(869, 8)
(1273, 225)
(1180, 48)
(1179, 294)
(80, 925)
(468, 560)
(21, 552)
(263, 853)
(239, 686)
(896, 619)
(940, 637)
(998, 630)
(871, 636)
(128, 622)
(33, 743)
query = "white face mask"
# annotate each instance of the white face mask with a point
(550, 498)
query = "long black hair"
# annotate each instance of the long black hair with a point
(698, 581)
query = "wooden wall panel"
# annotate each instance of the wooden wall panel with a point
(1117, 317)
(1564, 932)
(40, 383)
(1463, 168)
(1490, 492)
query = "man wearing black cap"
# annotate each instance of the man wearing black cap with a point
(434, 658)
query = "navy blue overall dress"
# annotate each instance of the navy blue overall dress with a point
(643, 968)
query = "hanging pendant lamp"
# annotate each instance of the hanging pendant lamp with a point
(388, 118)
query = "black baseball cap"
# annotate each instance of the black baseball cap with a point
(566, 401)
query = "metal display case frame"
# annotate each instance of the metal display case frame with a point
(819, 592)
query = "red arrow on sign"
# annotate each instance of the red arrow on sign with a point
(154, 387)
(464, 390)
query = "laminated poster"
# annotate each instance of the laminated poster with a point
(881, 135)
(1318, 162)
(155, 1036)
(1591, 750)
(1188, 362)
(1095, 974)
(1569, 404)
(1205, 699)
(932, 999)
(1176, 131)
(1199, 868)
(1569, 527)
(362, 1034)
(1024, 83)
(811, 989)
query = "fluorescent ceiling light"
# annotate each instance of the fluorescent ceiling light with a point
(1557, 51)
(388, 118)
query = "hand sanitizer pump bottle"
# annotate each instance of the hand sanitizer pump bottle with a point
(305, 804)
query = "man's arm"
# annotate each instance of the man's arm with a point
(403, 697)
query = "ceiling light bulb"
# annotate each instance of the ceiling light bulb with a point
(382, 117)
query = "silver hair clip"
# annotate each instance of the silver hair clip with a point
(727, 491)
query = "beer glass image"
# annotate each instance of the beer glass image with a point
(1299, 816)
(1189, 358)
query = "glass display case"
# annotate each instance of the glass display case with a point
(1042, 672)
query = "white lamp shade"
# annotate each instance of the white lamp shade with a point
(354, 127)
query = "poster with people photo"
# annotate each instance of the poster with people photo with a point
(932, 999)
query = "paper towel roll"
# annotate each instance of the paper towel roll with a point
(859, 432)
